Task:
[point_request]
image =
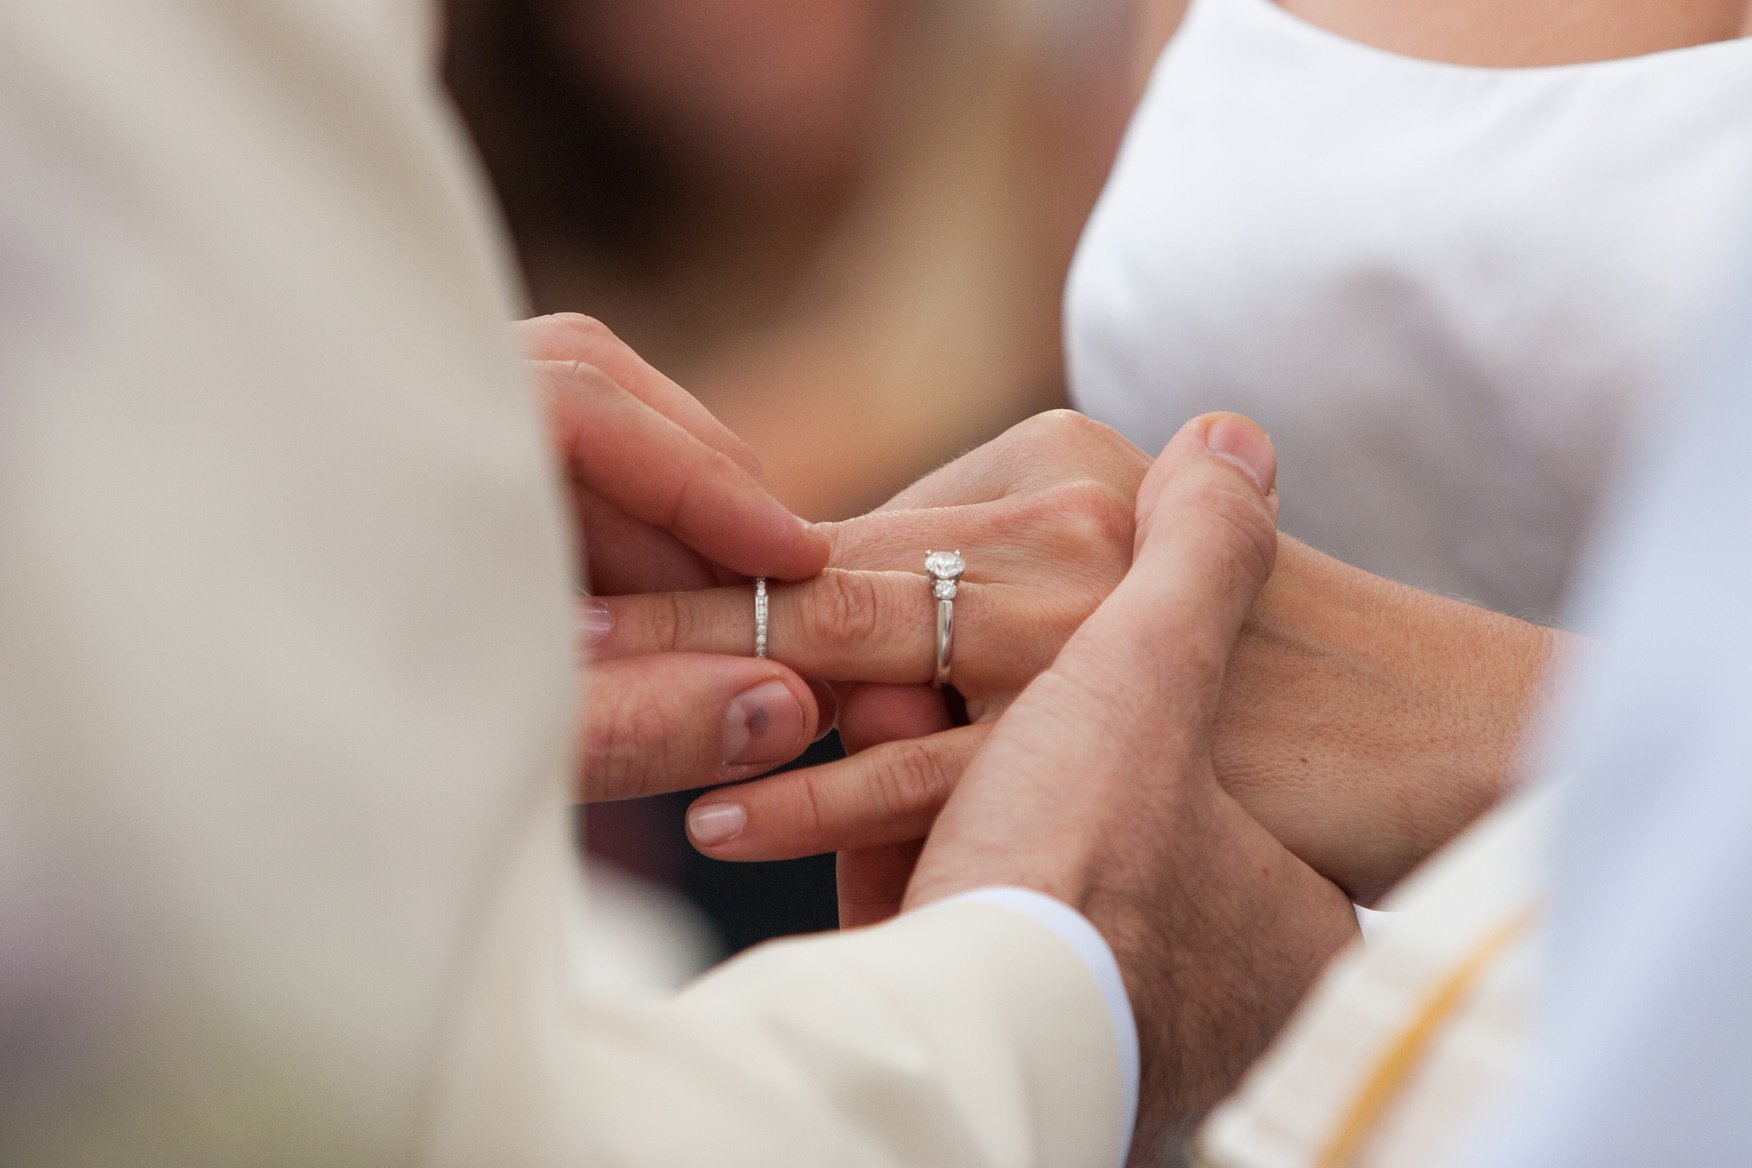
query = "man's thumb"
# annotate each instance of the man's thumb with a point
(1206, 544)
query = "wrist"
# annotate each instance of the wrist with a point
(1368, 722)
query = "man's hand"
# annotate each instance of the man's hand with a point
(668, 499)
(1045, 516)
(1364, 723)
(1097, 787)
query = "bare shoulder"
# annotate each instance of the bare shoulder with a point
(1513, 33)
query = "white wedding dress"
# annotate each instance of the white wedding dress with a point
(1446, 291)
(1450, 293)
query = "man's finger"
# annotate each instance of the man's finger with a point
(1207, 541)
(673, 723)
(625, 555)
(888, 794)
(872, 882)
(655, 471)
(569, 336)
(873, 714)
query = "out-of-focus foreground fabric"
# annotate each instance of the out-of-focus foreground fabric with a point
(287, 688)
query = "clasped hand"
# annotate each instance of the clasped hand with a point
(1103, 597)
(1204, 737)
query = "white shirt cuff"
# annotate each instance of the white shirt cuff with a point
(1088, 943)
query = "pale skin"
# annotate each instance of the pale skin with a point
(1329, 649)
(1097, 786)
(633, 745)
(1346, 727)
(1363, 722)
(1198, 901)
(1502, 33)
(1102, 768)
(667, 499)
(1204, 751)
(1528, 33)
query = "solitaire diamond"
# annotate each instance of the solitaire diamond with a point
(945, 569)
(945, 565)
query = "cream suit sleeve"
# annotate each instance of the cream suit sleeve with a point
(286, 697)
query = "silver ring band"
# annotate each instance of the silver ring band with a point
(760, 616)
(945, 640)
(945, 570)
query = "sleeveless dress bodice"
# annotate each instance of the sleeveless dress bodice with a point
(1447, 291)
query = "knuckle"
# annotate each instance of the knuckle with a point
(1093, 517)
(743, 456)
(1067, 427)
(574, 375)
(631, 744)
(579, 327)
(850, 610)
(1062, 422)
(843, 540)
(809, 806)
(672, 623)
(910, 778)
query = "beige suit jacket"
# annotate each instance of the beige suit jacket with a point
(287, 691)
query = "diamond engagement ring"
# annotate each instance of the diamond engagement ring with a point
(760, 616)
(945, 569)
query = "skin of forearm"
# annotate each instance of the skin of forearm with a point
(1366, 723)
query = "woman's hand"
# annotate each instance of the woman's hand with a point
(1367, 723)
(1044, 517)
(669, 499)
(1363, 722)
(1097, 787)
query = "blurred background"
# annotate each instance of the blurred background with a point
(842, 224)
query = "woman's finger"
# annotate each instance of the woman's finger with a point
(872, 882)
(650, 467)
(843, 626)
(569, 336)
(673, 723)
(873, 714)
(887, 794)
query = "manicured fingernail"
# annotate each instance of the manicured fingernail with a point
(763, 725)
(711, 824)
(1237, 440)
(594, 622)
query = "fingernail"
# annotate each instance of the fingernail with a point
(818, 531)
(711, 824)
(763, 725)
(594, 622)
(1237, 440)
(826, 708)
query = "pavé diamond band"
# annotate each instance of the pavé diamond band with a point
(760, 616)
